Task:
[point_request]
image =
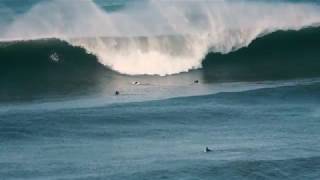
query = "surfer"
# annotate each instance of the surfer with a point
(117, 93)
(136, 83)
(196, 81)
(54, 57)
(207, 150)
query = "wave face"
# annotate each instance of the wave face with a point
(157, 37)
(45, 67)
(280, 55)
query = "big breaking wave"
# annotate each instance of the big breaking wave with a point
(159, 37)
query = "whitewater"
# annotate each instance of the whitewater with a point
(158, 37)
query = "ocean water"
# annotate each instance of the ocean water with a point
(240, 77)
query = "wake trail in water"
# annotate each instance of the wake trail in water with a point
(159, 37)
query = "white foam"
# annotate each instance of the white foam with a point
(176, 34)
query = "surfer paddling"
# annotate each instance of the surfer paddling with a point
(206, 150)
(136, 83)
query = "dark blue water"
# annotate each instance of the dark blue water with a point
(259, 134)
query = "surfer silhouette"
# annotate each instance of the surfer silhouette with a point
(207, 150)
(136, 83)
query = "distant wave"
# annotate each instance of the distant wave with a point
(164, 38)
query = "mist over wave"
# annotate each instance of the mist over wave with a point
(159, 37)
